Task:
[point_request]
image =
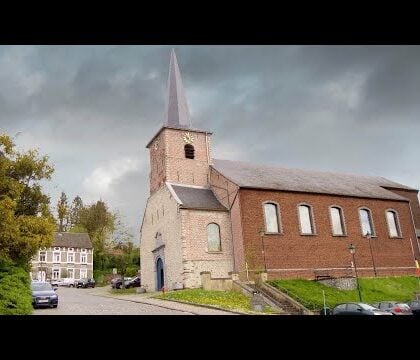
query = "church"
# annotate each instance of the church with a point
(234, 220)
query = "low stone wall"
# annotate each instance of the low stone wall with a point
(340, 283)
(216, 284)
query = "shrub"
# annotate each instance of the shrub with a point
(15, 291)
(131, 271)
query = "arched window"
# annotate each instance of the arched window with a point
(366, 222)
(337, 221)
(393, 225)
(305, 219)
(189, 151)
(213, 237)
(271, 218)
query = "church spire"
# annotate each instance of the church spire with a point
(177, 113)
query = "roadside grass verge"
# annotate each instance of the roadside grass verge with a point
(229, 300)
(123, 291)
(309, 292)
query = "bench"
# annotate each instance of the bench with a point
(322, 275)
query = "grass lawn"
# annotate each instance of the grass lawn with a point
(123, 291)
(309, 293)
(230, 300)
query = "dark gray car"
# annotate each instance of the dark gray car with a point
(43, 295)
(353, 308)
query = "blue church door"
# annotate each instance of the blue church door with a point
(160, 274)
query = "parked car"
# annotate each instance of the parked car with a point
(69, 282)
(134, 282)
(43, 294)
(56, 282)
(394, 307)
(85, 283)
(415, 307)
(353, 308)
(116, 283)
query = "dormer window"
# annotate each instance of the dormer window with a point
(189, 151)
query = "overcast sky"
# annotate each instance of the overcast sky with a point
(92, 109)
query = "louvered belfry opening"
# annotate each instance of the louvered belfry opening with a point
(189, 151)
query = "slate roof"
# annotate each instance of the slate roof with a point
(178, 114)
(191, 197)
(72, 240)
(278, 178)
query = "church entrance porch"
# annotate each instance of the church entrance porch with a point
(160, 276)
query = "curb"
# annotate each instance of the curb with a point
(207, 306)
(145, 303)
(169, 308)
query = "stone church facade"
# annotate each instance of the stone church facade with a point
(231, 218)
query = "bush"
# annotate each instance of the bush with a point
(131, 271)
(15, 291)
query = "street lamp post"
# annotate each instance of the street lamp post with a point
(352, 250)
(369, 236)
(262, 233)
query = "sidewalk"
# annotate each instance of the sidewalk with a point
(171, 305)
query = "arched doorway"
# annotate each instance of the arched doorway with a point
(160, 276)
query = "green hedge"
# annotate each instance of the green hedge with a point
(15, 291)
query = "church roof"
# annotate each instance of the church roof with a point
(249, 175)
(75, 240)
(177, 112)
(195, 197)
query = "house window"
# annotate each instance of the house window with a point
(83, 258)
(56, 273)
(305, 219)
(189, 151)
(42, 256)
(57, 257)
(70, 257)
(56, 249)
(366, 222)
(392, 220)
(70, 273)
(337, 220)
(213, 237)
(83, 273)
(271, 218)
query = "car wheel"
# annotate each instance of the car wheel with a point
(71, 285)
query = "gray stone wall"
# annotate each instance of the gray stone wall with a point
(340, 283)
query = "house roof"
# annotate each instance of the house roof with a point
(195, 197)
(250, 175)
(72, 240)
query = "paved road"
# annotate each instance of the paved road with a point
(73, 301)
(98, 301)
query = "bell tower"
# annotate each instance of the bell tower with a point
(178, 152)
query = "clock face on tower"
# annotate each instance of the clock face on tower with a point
(188, 138)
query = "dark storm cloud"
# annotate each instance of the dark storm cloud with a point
(94, 108)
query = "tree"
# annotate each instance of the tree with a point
(123, 254)
(99, 223)
(63, 212)
(76, 208)
(26, 223)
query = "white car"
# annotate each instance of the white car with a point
(69, 282)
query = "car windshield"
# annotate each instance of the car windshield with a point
(367, 307)
(41, 286)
